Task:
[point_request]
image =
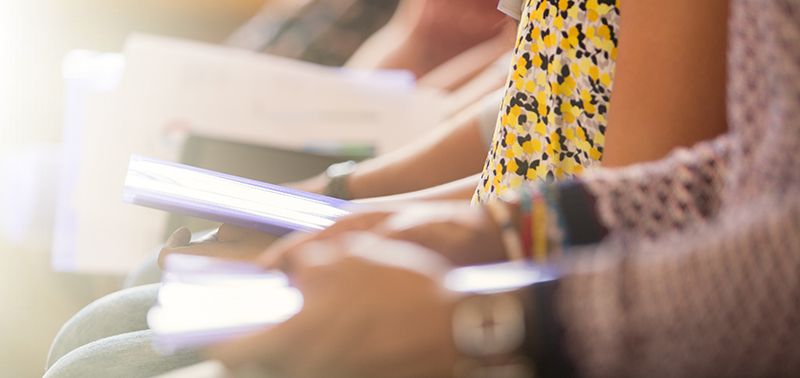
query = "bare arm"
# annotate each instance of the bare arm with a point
(453, 151)
(456, 190)
(669, 89)
(445, 28)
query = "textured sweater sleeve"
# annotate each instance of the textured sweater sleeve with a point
(650, 199)
(718, 300)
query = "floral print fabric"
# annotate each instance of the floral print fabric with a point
(553, 118)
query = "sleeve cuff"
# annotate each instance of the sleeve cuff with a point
(578, 208)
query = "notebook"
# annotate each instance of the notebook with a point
(205, 300)
(230, 199)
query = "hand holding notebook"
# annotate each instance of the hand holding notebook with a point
(230, 199)
(255, 213)
(228, 242)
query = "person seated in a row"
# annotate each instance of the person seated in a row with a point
(121, 316)
(677, 76)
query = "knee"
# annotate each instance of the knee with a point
(121, 312)
(127, 355)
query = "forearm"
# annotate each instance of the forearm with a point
(443, 30)
(451, 152)
(669, 85)
(457, 190)
(416, 55)
(472, 63)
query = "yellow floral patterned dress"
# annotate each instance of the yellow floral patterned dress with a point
(553, 119)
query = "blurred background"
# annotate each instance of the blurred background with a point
(35, 35)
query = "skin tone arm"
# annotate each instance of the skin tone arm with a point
(444, 29)
(458, 71)
(669, 86)
(456, 190)
(453, 151)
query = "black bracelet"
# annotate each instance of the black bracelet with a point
(544, 343)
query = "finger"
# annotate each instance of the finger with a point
(180, 238)
(230, 250)
(442, 237)
(462, 245)
(357, 222)
(306, 256)
(228, 232)
(275, 257)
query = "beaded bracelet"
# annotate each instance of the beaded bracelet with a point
(526, 226)
(510, 237)
(557, 230)
(539, 231)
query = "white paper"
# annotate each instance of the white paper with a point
(172, 88)
(112, 236)
(240, 95)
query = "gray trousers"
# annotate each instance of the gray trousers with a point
(109, 338)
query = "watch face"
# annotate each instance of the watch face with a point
(489, 325)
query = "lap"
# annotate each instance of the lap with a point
(128, 355)
(118, 313)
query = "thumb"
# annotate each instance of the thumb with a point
(180, 238)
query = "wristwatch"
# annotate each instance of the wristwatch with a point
(489, 331)
(337, 180)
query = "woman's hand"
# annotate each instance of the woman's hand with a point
(464, 236)
(361, 317)
(280, 254)
(230, 242)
